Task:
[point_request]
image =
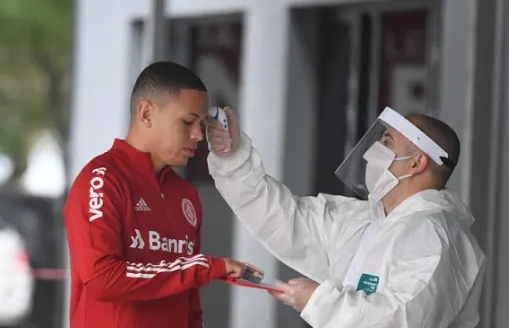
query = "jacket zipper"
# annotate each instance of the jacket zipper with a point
(159, 187)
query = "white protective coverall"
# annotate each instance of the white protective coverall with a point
(418, 267)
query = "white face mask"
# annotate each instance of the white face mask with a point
(379, 180)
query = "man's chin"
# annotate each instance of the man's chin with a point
(181, 162)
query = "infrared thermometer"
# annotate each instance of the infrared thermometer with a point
(219, 114)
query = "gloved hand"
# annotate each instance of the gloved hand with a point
(221, 141)
(296, 293)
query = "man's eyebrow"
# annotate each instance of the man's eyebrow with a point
(388, 135)
(194, 114)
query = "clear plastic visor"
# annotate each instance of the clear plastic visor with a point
(352, 171)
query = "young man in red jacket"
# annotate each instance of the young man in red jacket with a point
(133, 224)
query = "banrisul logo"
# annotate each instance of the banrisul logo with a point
(96, 194)
(156, 242)
(137, 241)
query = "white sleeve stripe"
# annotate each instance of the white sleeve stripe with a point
(160, 270)
(164, 264)
(191, 258)
(203, 260)
(140, 275)
(173, 265)
(188, 265)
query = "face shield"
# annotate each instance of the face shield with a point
(366, 168)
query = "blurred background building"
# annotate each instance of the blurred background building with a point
(307, 78)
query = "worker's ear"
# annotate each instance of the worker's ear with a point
(419, 163)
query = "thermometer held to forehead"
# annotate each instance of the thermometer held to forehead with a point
(218, 114)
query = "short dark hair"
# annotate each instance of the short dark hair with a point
(164, 77)
(445, 137)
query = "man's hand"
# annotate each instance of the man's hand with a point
(296, 293)
(221, 141)
(234, 269)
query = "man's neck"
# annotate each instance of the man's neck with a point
(390, 203)
(392, 200)
(135, 140)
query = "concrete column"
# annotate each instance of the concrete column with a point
(155, 38)
(262, 116)
(100, 103)
(491, 127)
(301, 94)
(456, 81)
(483, 193)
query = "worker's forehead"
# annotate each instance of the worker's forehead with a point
(398, 136)
(394, 134)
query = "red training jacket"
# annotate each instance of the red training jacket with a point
(134, 242)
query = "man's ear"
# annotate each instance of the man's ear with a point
(419, 163)
(145, 112)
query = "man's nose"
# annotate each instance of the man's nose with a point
(197, 133)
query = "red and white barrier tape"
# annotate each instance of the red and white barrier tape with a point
(50, 274)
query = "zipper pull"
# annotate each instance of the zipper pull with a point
(162, 196)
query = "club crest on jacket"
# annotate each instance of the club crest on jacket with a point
(189, 212)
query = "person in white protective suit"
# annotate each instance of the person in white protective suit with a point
(401, 256)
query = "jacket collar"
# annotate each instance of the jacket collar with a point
(140, 160)
(433, 200)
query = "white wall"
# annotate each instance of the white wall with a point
(100, 103)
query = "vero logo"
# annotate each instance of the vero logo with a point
(96, 202)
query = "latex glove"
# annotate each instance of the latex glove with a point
(296, 293)
(221, 141)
